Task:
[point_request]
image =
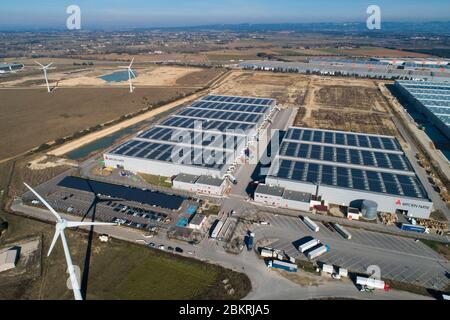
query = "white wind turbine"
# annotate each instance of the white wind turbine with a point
(130, 73)
(61, 224)
(44, 68)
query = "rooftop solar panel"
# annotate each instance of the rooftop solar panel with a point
(242, 100)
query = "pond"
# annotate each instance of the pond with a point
(118, 76)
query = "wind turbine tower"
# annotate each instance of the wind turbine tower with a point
(62, 224)
(44, 68)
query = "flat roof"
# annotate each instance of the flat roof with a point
(372, 163)
(8, 257)
(297, 196)
(240, 100)
(187, 178)
(197, 218)
(211, 181)
(269, 190)
(150, 197)
(172, 153)
(435, 96)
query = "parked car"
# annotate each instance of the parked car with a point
(170, 248)
(161, 247)
(151, 244)
(178, 249)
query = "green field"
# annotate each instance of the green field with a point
(120, 270)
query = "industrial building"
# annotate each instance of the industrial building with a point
(356, 68)
(280, 197)
(10, 67)
(204, 138)
(199, 184)
(346, 168)
(197, 221)
(8, 259)
(432, 99)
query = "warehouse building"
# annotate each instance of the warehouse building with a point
(210, 185)
(197, 222)
(204, 138)
(8, 259)
(345, 168)
(185, 182)
(432, 99)
(280, 197)
(10, 67)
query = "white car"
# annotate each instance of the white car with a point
(161, 247)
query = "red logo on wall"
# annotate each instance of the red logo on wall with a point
(398, 202)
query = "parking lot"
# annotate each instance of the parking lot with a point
(398, 258)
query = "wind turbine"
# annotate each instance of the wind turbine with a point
(61, 224)
(130, 73)
(44, 68)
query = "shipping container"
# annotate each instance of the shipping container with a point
(328, 268)
(318, 251)
(311, 224)
(308, 245)
(411, 227)
(283, 265)
(372, 283)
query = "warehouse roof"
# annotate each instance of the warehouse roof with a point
(297, 196)
(8, 259)
(187, 178)
(211, 181)
(197, 219)
(269, 190)
(364, 162)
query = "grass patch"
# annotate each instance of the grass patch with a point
(120, 270)
(159, 181)
(442, 248)
(438, 215)
(212, 210)
(307, 266)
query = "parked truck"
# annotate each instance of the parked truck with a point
(308, 245)
(249, 240)
(411, 227)
(372, 283)
(318, 252)
(277, 264)
(311, 224)
(342, 231)
(266, 253)
(217, 226)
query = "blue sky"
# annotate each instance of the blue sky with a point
(151, 13)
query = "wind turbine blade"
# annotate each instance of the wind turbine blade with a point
(55, 238)
(48, 65)
(132, 72)
(72, 224)
(58, 217)
(71, 269)
(39, 64)
(131, 63)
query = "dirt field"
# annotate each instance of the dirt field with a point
(288, 89)
(118, 270)
(90, 76)
(345, 104)
(30, 117)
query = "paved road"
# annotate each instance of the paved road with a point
(266, 283)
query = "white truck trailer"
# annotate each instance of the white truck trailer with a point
(372, 283)
(311, 224)
(318, 252)
(217, 229)
(308, 245)
(342, 231)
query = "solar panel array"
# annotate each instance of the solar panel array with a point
(240, 100)
(205, 139)
(346, 160)
(435, 96)
(171, 153)
(215, 122)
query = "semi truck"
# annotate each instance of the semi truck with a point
(372, 283)
(342, 231)
(411, 227)
(249, 240)
(311, 224)
(277, 264)
(318, 251)
(308, 245)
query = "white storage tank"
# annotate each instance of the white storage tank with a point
(369, 209)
